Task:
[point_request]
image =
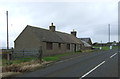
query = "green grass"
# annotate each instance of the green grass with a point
(21, 60)
(17, 61)
(47, 58)
(54, 58)
(51, 58)
(57, 57)
(106, 47)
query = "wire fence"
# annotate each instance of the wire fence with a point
(16, 54)
(24, 55)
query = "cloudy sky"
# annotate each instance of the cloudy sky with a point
(89, 19)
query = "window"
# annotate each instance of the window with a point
(59, 45)
(68, 46)
(49, 45)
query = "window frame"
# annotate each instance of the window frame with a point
(49, 45)
(68, 46)
(59, 45)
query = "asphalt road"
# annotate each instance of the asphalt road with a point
(97, 64)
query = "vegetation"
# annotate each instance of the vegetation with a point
(47, 58)
(55, 57)
(17, 61)
(105, 47)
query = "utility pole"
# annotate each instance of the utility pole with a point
(108, 32)
(7, 30)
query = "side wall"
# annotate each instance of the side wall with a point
(27, 40)
(57, 50)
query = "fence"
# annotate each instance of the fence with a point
(14, 54)
(26, 54)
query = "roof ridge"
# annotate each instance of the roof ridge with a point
(47, 29)
(57, 36)
(37, 27)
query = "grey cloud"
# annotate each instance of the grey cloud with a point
(88, 19)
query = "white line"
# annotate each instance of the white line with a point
(113, 55)
(92, 69)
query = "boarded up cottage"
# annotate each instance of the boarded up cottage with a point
(51, 41)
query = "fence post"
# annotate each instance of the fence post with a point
(40, 54)
(12, 53)
(23, 53)
(8, 56)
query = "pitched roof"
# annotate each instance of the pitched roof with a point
(86, 44)
(49, 36)
(88, 40)
(85, 39)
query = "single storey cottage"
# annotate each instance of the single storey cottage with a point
(49, 41)
(87, 40)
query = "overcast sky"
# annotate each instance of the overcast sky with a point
(89, 19)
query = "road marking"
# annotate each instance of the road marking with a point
(113, 55)
(92, 69)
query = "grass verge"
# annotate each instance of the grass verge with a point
(106, 47)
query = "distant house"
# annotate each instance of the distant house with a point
(51, 41)
(88, 40)
(85, 45)
(99, 44)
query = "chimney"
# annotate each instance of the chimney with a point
(74, 33)
(52, 27)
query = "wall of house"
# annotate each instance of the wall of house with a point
(57, 50)
(27, 40)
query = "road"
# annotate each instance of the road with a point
(97, 64)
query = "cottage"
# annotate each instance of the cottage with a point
(50, 41)
(88, 40)
(85, 45)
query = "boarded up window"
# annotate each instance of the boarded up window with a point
(59, 45)
(68, 46)
(49, 45)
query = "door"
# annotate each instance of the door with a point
(74, 47)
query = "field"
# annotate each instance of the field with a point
(105, 47)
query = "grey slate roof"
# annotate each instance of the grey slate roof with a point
(86, 44)
(88, 40)
(49, 36)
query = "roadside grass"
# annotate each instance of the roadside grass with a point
(47, 58)
(57, 57)
(106, 47)
(31, 64)
(88, 51)
(5, 62)
(0, 62)
(51, 58)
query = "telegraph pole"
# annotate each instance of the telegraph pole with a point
(108, 32)
(7, 30)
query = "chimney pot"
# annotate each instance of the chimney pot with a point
(74, 32)
(51, 24)
(52, 27)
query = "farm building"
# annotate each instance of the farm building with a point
(49, 41)
(87, 40)
(85, 45)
